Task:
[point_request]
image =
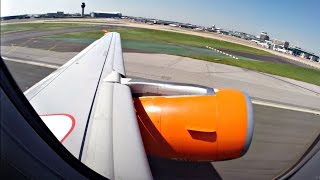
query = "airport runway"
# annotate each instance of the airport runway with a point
(280, 138)
(27, 75)
(273, 58)
(21, 35)
(186, 70)
(258, 85)
(33, 39)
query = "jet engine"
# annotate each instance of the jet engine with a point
(208, 125)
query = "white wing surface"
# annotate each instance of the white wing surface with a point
(95, 111)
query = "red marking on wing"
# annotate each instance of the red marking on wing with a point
(72, 126)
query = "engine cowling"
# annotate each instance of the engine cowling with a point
(197, 128)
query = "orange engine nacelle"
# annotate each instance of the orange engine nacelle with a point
(197, 128)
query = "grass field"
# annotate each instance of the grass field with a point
(169, 48)
(149, 40)
(37, 26)
(179, 44)
(294, 72)
(167, 37)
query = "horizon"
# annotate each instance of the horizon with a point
(294, 22)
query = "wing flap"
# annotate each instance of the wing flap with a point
(130, 161)
(98, 151)
(114, 147)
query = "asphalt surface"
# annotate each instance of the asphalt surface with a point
(33, 39)
(271, 58)
(258, 85)
(14, 36)
(49, 44)
(186, 70)
(280, 137)
(27, 75)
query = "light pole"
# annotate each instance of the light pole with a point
(83, 5)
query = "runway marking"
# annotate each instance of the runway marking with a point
(254, 101)
(52, 47)
(32, 63)
(14, 48)
(27, 41)
(283, 106)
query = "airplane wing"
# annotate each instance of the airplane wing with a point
(110, 122)
(92, 114)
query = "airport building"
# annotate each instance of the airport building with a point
(284, 44)
(15, 17)
(243, 35)
(296, 51)
(188, 25)
(264, 37)
(58, 14)
(100, 14)
(75, 15)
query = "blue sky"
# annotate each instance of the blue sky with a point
(297, 21)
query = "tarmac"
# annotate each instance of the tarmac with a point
(186, 70)
(281, 134)
(130, 24)
(273, 59)
(36, 39)
(257, 85)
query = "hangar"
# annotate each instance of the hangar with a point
(100, 14)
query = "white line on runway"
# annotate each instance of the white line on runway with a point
(32, 63)
(254, 101)
(283, 106)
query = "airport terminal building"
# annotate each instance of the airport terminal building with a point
(100, 14)
(296, 51)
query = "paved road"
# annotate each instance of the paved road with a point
(280, 137)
